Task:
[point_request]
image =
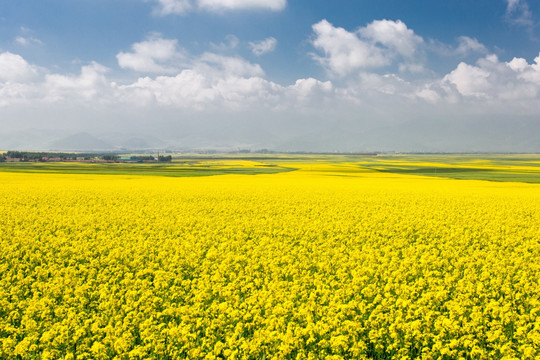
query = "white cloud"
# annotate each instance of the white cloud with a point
(15, 69)
(91, 84)
(309, 92)
(518, 64)
(217, 5)
(345, 51)
(226, 66)
(187, 89)
(26, 41)
(469, 80)
(264, 46)
(373, 46)
(231, 42)
(179, 7)
(490, 79)
(428, 94)
(208, 79)
(389, 84)
(414, 68)
(155, 55)
(211, 81)
(394, 35)
(529, 73)
(467, 45)
(464, 46)
(195, 89)
(517, 12)
(26, 38)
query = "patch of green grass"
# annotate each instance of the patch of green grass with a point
(173, 170)
(463, 173)
(490, 167)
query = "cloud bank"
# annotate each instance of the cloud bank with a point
(368, 99)
(174, 77)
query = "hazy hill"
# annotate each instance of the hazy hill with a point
(80, 142)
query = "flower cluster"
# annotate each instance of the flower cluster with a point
(299, 265)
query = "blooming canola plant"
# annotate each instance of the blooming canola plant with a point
(321, 262)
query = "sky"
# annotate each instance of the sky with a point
(283, 75)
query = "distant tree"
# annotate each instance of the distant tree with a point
(163, 158)
(142, 157)
(15, 154)
(110, 157)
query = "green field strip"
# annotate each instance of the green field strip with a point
(143, 170)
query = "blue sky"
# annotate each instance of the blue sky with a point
(288, 75)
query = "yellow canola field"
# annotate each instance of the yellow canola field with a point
(299, 265)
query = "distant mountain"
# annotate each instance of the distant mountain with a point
(30, 140)
(80, 142)
(132, 142)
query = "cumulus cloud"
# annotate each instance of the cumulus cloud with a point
(194, 89)
(428, 94)
(344, 51)
(526, 71)
(179, 7)
(15, 69)
(469, 80)
(492, 79)
(394, 35)
(208, 78)
(90, 84)
(154, 55)
(187, 89)
(518, 64)
(161, 56)
(307, 86)
(373, 46)
(264, 46)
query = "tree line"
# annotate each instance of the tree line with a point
(46, 156)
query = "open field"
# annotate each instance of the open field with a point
(511, 167)
(180, 169)
(275, 257)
